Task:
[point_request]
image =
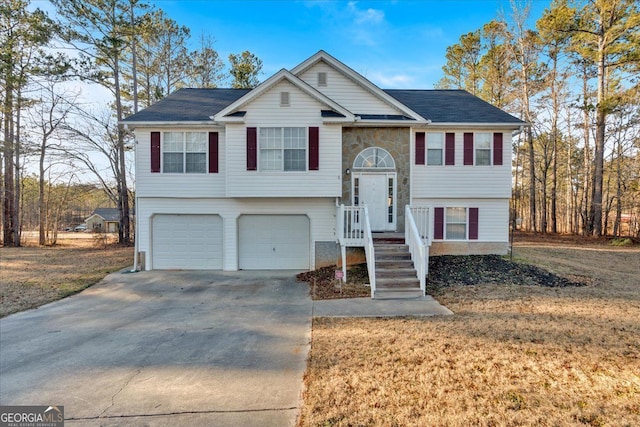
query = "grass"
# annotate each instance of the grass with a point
(31, 276)
(513, 355)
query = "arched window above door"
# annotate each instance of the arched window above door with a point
(374, 158)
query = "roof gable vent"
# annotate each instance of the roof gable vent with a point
(322, 79)
(284, 99)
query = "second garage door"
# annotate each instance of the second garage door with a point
(188, 242)
(273, 242)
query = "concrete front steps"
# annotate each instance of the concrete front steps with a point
(395, 276)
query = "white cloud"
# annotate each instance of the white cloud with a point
(393, 81)
(368, 16)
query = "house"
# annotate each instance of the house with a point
(278, 177)
(104, 220)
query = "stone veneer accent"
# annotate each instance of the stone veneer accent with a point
(396, 141)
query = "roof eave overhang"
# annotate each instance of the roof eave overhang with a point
(199, 123)
(487, 125)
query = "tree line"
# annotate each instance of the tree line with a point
(129, 48)
(574, 77)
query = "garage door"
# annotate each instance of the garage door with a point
(273, 242)
(188, 242)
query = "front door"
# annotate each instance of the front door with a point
(376, 191)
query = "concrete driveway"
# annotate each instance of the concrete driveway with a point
(164, 348)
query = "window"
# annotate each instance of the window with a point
(456, 221)
(435, 148)
(283, 149)
(184, 152)
(374, 158)
(483, 149)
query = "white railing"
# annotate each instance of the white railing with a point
(369, 252)
(353, 229)
(418, 242)
(422, 217)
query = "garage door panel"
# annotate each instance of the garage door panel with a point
(187, 242)
(272, 242)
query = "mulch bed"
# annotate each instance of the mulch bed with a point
(444, 271)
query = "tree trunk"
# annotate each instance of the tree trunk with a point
(42, 211)
(595, 210)
(8, 199)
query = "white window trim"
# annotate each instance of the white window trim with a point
(184, 153)
(306, 150)
(466, 228)
(442, 151)
(475, 139)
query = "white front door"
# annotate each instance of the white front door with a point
(373, 191)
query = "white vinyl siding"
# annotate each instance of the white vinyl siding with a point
(263, 112)
(187, 185)
(346, 92)
(493, 215)
(461, 181)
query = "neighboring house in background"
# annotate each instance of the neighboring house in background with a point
(104, 220)
(257, 178)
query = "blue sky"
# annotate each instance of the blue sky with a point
(395, 44)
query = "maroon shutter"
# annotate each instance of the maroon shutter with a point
(314, 149)
(473, 223)
(468, 148)
(155, 152)
(497, 149)
(213, 152)
(420, 148)
(450, 149)
(438, 223)
(252, 149)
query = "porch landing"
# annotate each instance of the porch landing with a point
(367, 307)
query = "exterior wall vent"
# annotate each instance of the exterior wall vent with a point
(284, 99)
(322, 79)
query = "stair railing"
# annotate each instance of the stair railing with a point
(418, 248)
(369, 252)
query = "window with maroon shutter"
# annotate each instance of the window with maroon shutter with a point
(473, 223)
(497, 149)
(314, 149)
(420, 148)
(450, 149)
(438, 223)
(468, 148)
(252, 149)
(155, 152)
(213, 152)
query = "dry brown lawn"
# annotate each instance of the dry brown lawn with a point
(31, 276)
(511, 355)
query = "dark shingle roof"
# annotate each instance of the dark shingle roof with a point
(439, 106)
(108, 214)
(451, 106)
(188, 105)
